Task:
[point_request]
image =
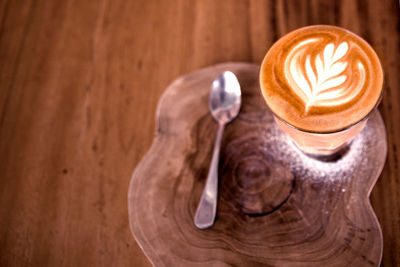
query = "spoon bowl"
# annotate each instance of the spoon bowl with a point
(225, 97)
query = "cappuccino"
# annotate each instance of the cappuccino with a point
(321, 79)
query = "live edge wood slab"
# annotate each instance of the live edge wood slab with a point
(276, 207)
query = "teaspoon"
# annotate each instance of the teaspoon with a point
(224, 104)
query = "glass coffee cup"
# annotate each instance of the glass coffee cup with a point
(321, 83)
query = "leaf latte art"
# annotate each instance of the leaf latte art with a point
(322, 81)
(321, 78)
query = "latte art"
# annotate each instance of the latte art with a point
(321, 81)
(321, 78)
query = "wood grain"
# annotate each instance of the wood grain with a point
(277, 207)
(79, 85)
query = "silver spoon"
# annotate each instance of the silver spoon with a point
(225, 100)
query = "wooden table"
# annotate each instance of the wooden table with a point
(80, 81)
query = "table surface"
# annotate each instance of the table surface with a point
(80, 81)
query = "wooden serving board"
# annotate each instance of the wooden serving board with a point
(276, 207)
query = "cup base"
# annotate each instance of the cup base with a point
(327, 155)
(321, 145)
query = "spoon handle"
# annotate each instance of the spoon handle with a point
(206, 210)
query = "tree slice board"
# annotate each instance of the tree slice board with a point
(276, 206)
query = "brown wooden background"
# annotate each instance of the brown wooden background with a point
(79, 85)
